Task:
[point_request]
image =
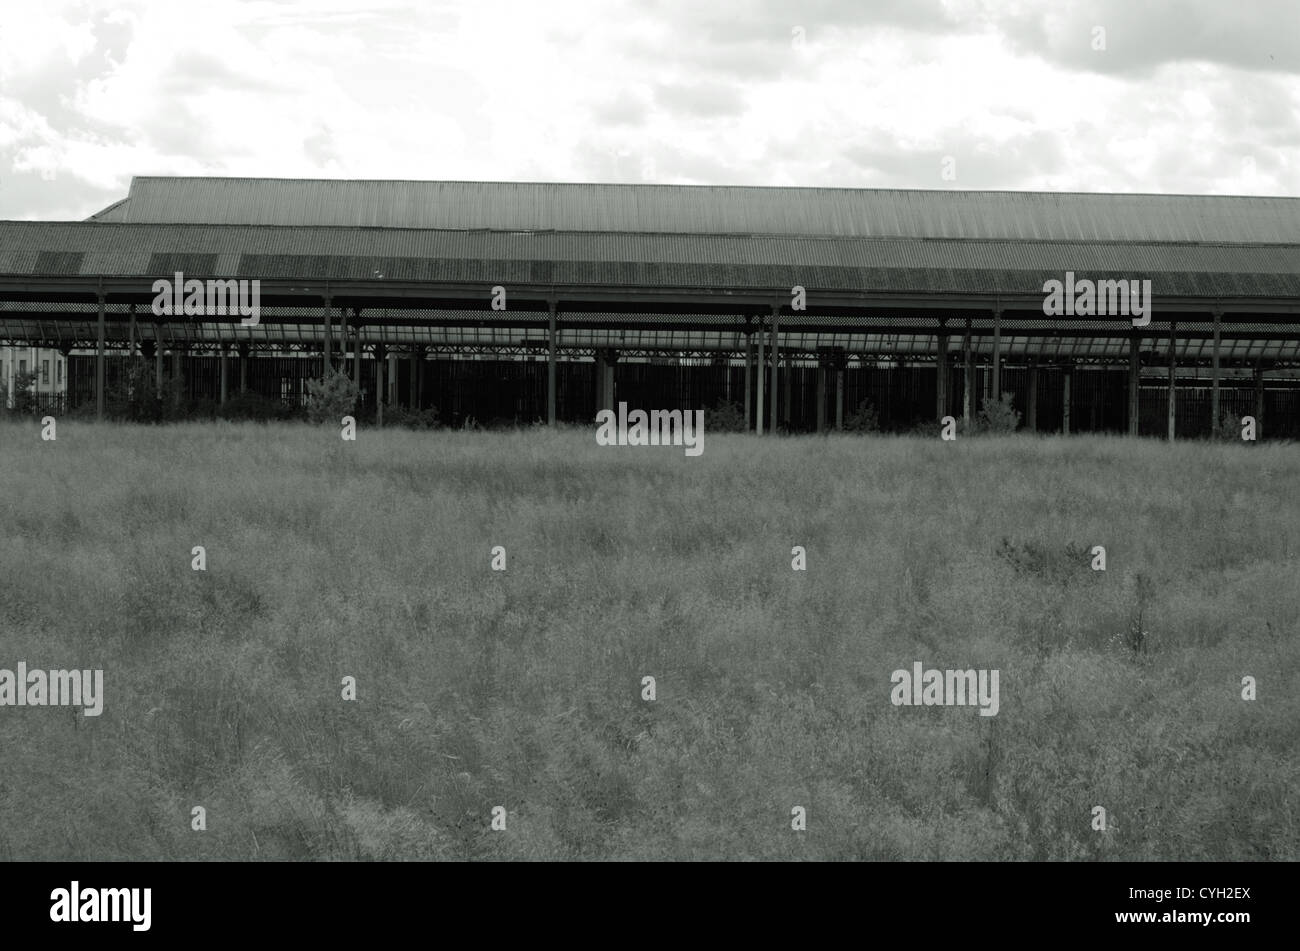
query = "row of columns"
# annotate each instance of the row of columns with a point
(606, 359)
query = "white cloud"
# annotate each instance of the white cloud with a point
(629, 91)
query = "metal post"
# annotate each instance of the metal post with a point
(1259, 398)
(379, 384)
(776, 314)
(221, 355)
(749, 369)
(839, 392)
(1173, 387)
(326, 345)
(821, 393)
(968, 398)
(1065, 398)
(99, 364)
(1033, 395)
(758, 406)
(176, 376)
(941, 379)
(1134, 383)
(550, 362)
(997, 354)
(356, 347)
(343, 339)
(786, 391)
(413, 384)
(1214, 375)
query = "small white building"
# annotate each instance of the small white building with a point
(50, 367)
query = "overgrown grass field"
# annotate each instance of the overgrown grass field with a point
(523, 688)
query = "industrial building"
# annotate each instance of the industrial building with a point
(519, 302)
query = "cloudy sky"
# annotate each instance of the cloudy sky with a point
(1199, 96)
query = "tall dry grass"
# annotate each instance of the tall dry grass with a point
(477, 688)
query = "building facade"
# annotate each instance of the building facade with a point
(50, 385)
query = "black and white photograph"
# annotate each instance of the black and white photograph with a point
(858, 433)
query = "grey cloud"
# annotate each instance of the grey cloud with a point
(28, 196)
(704, 100)
(1140, 37)
(978, 163)
(625, 109)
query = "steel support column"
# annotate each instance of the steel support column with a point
(550, 362)
(326, 356)
(968, 381)
(941, 378)
(1214, 374)
(1259, 398)
(758, 405)
(99, 362)
(749, 370)
(380, 357)
(776, 314)
(1173, 384)
(413, 384)
(1032, 412)
(356, 346)
(1134, 383)
(1065, 399)
(997, 355)
(821, 393)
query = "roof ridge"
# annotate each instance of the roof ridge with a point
(693, 185)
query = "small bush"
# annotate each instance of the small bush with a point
(1228, 428)
(999, 416)
(864, 419)
(412, 418)
(133, 397)
(25, 393)
(726, 417)
(331, 397)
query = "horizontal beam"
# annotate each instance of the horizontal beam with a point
(528, 296)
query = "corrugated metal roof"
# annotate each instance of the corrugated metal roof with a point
(681, 261)
(706, 209)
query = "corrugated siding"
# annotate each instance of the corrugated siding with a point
(697, 209)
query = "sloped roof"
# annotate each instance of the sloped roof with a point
(700, 209)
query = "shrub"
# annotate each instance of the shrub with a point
(1227, 428)
(331, 397)
(726, 417)
(864, 419)
(999, 416)
(412, 418)
(25, 393)
(133, 397)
